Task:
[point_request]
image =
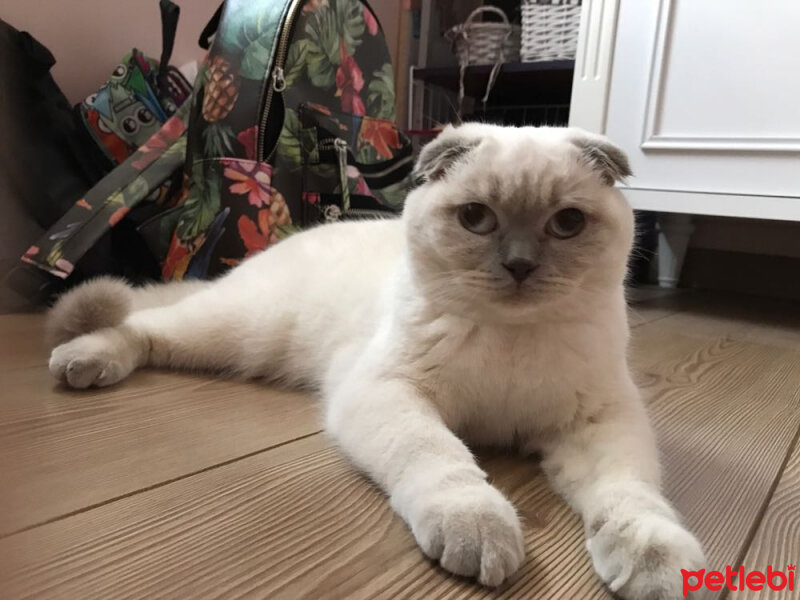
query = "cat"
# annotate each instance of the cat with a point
(492, 312)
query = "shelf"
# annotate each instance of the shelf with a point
(518, 73)
(546, 82)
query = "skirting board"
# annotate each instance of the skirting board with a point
(779, 208)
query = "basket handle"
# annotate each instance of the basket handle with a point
(462, 67)
(482, 9)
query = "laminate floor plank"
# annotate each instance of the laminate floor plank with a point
(63, 451)
(777, 540)
(297, 522)
(22, 342)
(726, 413)
(745, 318)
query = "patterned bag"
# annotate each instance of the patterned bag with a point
(292, 124)
(61, 152)
(110, 125)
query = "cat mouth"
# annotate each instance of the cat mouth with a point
(519, 293)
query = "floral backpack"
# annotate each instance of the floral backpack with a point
(292, 123)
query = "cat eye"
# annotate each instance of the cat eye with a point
(566, 223)
(477, 218)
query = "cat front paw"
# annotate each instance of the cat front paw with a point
(471, 530)
(641, 558)
(97, 359)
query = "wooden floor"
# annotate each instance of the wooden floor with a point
(179, 486)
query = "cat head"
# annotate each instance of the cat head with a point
(504, 221)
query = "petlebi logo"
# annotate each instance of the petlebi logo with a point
(739, 579)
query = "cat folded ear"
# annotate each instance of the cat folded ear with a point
(602, 156)
(437, 157)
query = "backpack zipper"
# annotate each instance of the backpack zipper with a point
(277, 83)
(340, 146)
(332, 213)
(331, 144)
(341, 154)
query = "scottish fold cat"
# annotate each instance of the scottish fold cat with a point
(491, 313)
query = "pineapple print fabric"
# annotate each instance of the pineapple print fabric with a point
(244, 198)
(252, 177)
(141, 129)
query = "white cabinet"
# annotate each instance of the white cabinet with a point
(703, 95)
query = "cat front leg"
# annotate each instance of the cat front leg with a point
(395, 435)
(607, 469)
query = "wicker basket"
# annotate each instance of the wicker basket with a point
(483, 44)
(549, 29)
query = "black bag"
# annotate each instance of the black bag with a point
(45, 159)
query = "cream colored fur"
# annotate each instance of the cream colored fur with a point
(419, 341)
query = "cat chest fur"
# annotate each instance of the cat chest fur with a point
(494, 384)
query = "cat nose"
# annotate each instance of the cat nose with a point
(520, 268)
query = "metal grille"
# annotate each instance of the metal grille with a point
(433, 106)
(535, 114)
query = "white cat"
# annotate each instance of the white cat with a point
(492, 312)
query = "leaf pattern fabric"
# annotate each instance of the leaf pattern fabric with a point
(111, 199)
(249, 178)
(337, 61)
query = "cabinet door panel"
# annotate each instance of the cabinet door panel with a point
(705, 95)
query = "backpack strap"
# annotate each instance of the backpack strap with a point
(170, 13)
(210, 29)
(111, 198)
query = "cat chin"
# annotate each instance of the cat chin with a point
(505, 308)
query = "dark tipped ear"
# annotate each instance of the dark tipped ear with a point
(604, 157)
(441, 154)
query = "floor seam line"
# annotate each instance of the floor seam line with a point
(154, 486)
(657, 318)
(751, 534)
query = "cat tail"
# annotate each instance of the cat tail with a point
(106, 302)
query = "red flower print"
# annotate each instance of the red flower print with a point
(251, 178)
(84, 204)
(171, 130)
(320, 108)
(370, 21)
(255, 237)
(158, 142)
(349, 81)
(64, 268)
(311, 197)
(117, 215)
(176, 261)
(381, 135)
(312, 5)
(258, 236)
(247, 138)
(32, 251)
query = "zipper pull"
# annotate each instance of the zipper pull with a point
(278, 81)
(332, 213)
(341, 154)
